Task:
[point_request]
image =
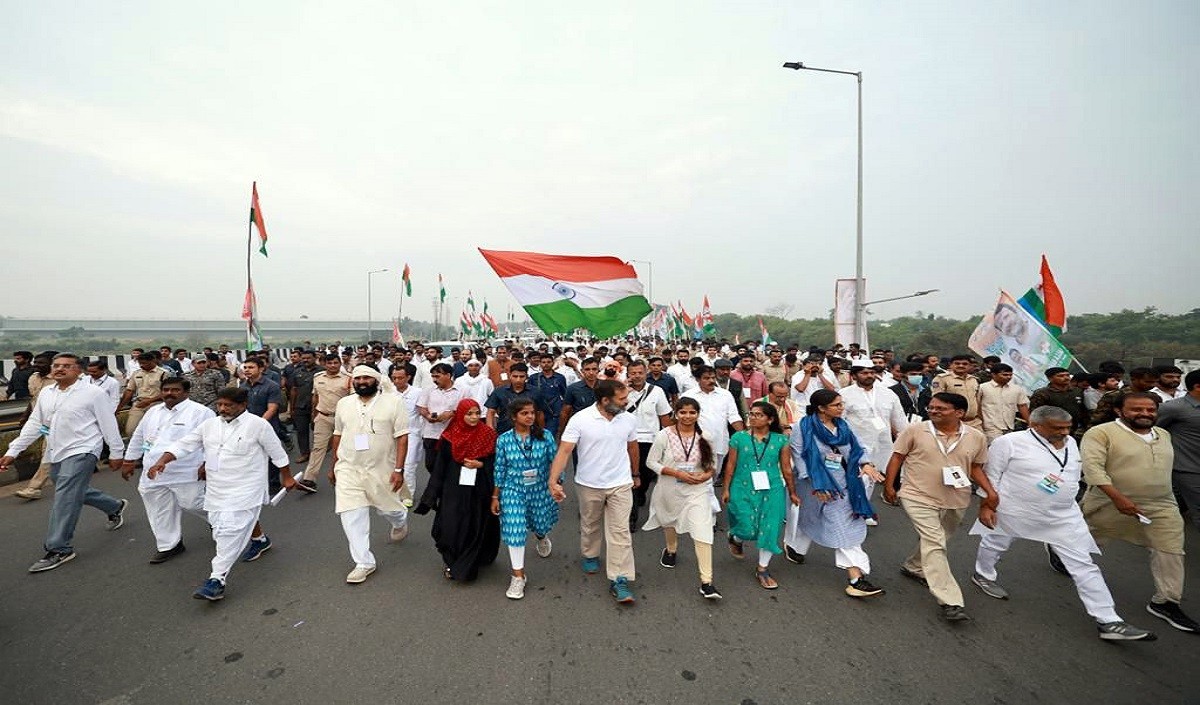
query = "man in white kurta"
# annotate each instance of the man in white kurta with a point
(474, 384)
(410, 394)
(875, 415)
(178, 489)
(370, 443)
(236, 447)
(1036, 473)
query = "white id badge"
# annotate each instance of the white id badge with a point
(503, 376)
(760, 480)
(954, 476)
(466, 476)
(689, 468)
(362, 441)
(746, 392)
(1143, 518)
(528, 477)
(915, 418)
(147, 445)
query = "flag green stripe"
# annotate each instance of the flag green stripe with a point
(616, 318)
(1034, 304)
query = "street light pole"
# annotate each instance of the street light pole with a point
(860, 285)
(373, 271)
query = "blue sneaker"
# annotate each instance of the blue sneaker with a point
(620, 591)
(212, 590)
(591, 565)
(256, 548)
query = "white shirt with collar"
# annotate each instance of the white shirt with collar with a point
(109, 385)
(602, 446)
(718, 409)
(648, 405)
(236, 454)
(1168, 396)
(80, 419)
(157, 430)
(814, 383)
(874, 416)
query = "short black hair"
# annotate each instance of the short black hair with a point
(443, 368)
(1191, 380)
(963, 356)
(907, 367)
(177, 382)
(518, 367)
(958, 401)
(1001, 367)
(237, 395)
(1055, 371)
(607, 388)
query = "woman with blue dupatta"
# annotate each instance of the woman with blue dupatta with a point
(829, 461)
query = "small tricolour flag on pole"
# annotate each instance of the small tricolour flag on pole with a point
(256, 217)
(704, 321)
(562, 293)
(766, 337)
(1045, 302)
(406, 278)
(441, 289)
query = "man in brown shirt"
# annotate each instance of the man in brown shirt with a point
(940, 457)
(144, 388)
(775, 369)
(328, 388)
(959, 381)
(497, 367)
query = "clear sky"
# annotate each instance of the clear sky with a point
(389, 132)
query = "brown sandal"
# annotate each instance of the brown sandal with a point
(765, 579)
(735, 548)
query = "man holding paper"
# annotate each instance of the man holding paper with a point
(370, 444)
(236, 446)
(1127, 465)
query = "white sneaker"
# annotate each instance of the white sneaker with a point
(872, 522)
(359, 575)
(516, 588)
(29, 493)
(544, 547)
(398, 535)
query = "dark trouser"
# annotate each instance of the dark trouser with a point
(302, 422)
(647, 478)
(430, 445)
(1187, 493)
(274, 484)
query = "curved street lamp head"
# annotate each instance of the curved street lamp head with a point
(796, 65)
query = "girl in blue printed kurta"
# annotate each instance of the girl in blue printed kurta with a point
(522, 496)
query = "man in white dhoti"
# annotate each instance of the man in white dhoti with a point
(370, 444)
(876, 417)
(177, 490)
(1036, 474)
(236, 446)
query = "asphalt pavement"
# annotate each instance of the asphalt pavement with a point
(110, 628)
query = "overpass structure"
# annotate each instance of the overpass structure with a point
(230, 331)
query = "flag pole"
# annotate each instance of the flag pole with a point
(249, 282)
(400, 312)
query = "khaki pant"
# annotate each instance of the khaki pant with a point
(322, 433)
(934, 527)
(703, 553)
(1167, 571)
(611, 507)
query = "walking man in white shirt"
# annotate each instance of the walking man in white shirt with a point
(718, 412)
(180, 488)
(75, 418)
(1001, 401)
(1036, 473)
(236, 447)
(401, 375)
(650, 408)
(605, 476)
(98, 376)
(875, 415)
(370, 443)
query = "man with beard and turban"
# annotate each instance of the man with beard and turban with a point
(370, 443)
(465, 531)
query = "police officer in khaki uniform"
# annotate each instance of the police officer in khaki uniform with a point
(328, 387)
(960, 381)
(146, 385)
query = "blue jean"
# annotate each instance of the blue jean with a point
(72, 489)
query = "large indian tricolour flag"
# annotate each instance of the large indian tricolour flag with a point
(561, 292)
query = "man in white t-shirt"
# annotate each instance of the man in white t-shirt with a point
(605, 476)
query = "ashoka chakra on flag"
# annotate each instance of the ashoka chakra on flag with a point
(562, 292)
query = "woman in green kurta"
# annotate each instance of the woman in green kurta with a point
(758, 484)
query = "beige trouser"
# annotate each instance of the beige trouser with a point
(934, 527)
(1167, 571)
(322, 433)
(43, 472)
(610, 506)
(703, 553)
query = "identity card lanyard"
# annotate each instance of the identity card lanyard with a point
(1062, 464)
(364, 410)
(687, 450)
(758, 457)
(946, 451)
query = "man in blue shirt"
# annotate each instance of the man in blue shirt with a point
(517, 388)
(551, 385)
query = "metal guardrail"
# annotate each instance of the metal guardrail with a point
(10, 413)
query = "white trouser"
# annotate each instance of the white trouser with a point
(165, 505)
(231, 531)
(1089, 581)
(719, 463)
(843, 558)
(413, 460)
(793, 537)
(356, 523)
(516, 556)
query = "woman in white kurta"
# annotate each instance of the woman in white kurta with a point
(370, 440)
(681, 500)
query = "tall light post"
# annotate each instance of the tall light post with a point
(926, 292)
(373, 271)
(860, 288)
(649, 278)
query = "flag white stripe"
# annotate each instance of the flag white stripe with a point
(531, 290)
